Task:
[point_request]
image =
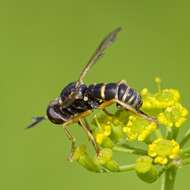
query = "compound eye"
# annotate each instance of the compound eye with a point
(54, 115)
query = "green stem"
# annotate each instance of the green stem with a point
(185, 139)
(175, 133)
(158, 133)
(169, 134)
(186, 162)
(165, 168)
(169, 179)
(131, 150)
(185, 152)
(126, 168)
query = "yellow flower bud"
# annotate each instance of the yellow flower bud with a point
(145, 169)
(174, 115)
(138, 129)
(162, 150)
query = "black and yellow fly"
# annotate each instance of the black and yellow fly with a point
(77, 100)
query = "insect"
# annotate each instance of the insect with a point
(77, 100)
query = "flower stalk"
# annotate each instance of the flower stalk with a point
(169, 179)
(129, 149)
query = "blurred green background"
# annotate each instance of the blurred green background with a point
(45, 44)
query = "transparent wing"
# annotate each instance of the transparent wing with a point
(106, 42)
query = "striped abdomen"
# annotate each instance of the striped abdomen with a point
(120, 91)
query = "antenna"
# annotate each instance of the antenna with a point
(35, 121)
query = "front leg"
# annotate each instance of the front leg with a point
(73, 140)
(76, 118)
(87, 130)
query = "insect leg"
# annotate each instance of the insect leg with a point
(107, 112)
(106, 104)
(87, 130)
(76, 118)
(73, 140)
(129, 108)
(87, 125)
(137, 112)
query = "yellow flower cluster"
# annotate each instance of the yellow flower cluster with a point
(165, 105)
(163, 149)
(131, 133)
(138, 129)
(175, 115)
(103, 131)
(159, 100)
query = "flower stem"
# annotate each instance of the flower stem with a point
(131, 150)
(158, 133)
(169, 179)
(126, 168)
(175, 133)
(185, 139)
(186, 162)
(185, 152)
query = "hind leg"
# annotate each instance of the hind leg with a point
(129, 108)
(137, 112)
